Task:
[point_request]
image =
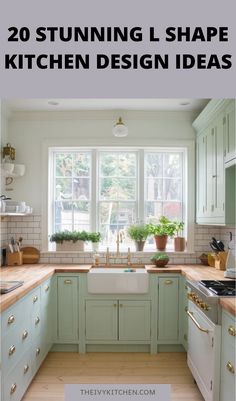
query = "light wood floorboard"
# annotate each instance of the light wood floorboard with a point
(61, 368)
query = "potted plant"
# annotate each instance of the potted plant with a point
(95, 238)
(179, 241)
(139, 234)
(161, 231)
(160, 259)
(70, 240)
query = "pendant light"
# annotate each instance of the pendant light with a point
(120, 129)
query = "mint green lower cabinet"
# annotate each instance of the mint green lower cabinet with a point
(67, 309)
(134, 320)
(184, 308)
(168, 310)
(228, 358)
(101, 320)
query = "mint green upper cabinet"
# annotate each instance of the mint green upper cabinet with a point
(67, 309)
(134, 320)
(214, 205)
(229, 131)
(101, 320)
(168, 310)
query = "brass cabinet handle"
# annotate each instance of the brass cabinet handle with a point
(35, 299)
(230, 367)
(11, 350)
(37, 351)
(115, 305)
(25, 335)
(26, 368)
(37, 320)
(190, 314)
(67, 281)
(232, 331)
(11, 319)
(13, 388)
(168, 281)
(46, 288)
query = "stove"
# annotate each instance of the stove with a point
(205, 295)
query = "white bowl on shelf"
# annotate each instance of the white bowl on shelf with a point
(8, 168)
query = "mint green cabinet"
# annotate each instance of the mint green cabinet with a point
(101, 320)
(117, 320)
(184, 307)
(67, 309)
(134, 320)
(215, 141)
(228, 368)
(229, 131)
(168, 310)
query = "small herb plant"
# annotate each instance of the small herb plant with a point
(179, 226)
(94, 237)
(138, 232)
(164, 227)
(159, 256)
(73, 236)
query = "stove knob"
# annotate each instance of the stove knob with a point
(204, 306)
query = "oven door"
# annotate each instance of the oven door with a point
(204, 352)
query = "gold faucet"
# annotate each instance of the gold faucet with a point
(119, 240)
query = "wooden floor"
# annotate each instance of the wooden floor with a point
(60, 368)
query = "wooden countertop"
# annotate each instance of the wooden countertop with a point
(33, 275)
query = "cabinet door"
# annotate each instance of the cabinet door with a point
(228, 366)
(101, 320)
(229, 130)
(168, 309)
(201, 176)
(185, 316)
(134, 320)
(67, 308)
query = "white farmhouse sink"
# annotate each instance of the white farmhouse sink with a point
(107, 280)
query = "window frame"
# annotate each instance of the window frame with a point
(188, 182)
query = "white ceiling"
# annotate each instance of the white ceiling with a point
(106, 104)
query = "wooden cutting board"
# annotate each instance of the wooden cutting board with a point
(31, 255)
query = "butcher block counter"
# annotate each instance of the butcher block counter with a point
(33, 275)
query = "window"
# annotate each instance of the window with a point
(107, 190)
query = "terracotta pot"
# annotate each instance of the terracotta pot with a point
(179, 244)
(161, 241)
(161, 262)
(139, 245)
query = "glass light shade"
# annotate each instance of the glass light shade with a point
(120, 129)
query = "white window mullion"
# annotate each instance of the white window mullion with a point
(141, 186)
(94, 183)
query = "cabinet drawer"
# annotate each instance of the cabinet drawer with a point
(14, 317)
(18, 379)
(46, 290)
(14, 346)
(228, 329)
(38, 353)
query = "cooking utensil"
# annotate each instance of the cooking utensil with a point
(213, 247)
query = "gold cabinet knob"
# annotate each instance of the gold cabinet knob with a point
(46, 289)
(115, 305)
(37, 320)
(230, 367)
(26, 368)
(232, 331)
(25, 334)
(13, 388)
(168, 282)
(11, 350)
(35, 299)
(11, 319)
(67, 281)
(37, 351)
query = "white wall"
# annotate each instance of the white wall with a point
(31, 132)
